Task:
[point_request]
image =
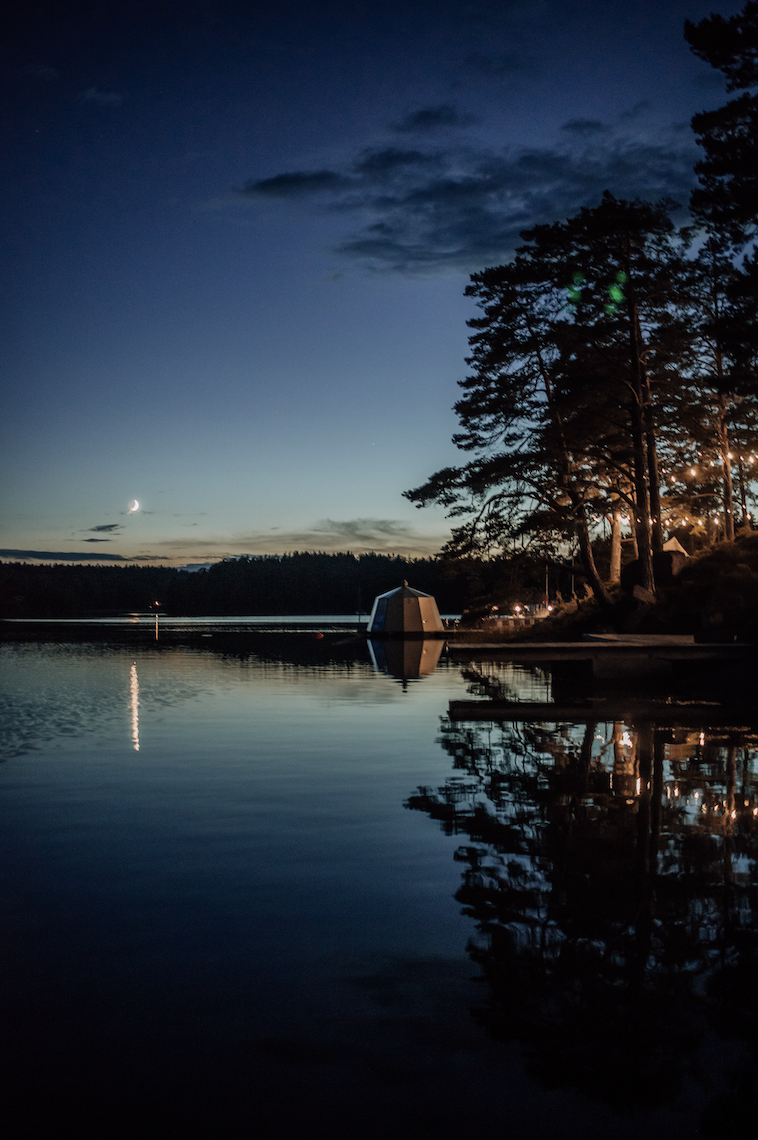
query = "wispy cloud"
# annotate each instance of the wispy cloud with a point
(34, 75)
(298, 184)
(426, 209)
(98, 540)
(499, 65)
(96, 98)
(80, 556)
(585, 127)
(429, 119)
(109, 528)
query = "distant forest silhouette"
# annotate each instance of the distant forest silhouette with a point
(300, 583)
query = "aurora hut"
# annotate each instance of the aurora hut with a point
(405, 612)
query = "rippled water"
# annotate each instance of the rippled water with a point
(274, 891)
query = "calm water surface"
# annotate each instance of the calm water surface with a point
(275, 891)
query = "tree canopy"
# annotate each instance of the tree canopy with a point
(613, 368)
(727, 198)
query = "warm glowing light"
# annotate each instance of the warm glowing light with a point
(134, 704)
(626, 740)
(702, 738)
(692, 470)
(134, 507)
(676, 791)
(639, 784)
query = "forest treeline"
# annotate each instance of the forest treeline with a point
(300, 583)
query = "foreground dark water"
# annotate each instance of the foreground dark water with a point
(264, 891)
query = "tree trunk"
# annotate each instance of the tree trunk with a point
(615, 575)
(587, 557)
(743, 492)
(642, 510)
(633, 534)
(653, 478)
(639, 412)
(728, 487)
(656, 530)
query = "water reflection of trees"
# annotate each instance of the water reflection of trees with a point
(611, 872)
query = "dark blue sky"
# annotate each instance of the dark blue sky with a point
(238, 237)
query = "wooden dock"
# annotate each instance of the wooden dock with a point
(609, 656)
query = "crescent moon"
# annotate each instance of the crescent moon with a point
(134, 507)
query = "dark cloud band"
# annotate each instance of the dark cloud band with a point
(68, 556)
(462, 207)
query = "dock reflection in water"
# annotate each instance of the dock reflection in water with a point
(610, 871)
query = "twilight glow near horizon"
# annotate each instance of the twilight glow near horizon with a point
(239, 236)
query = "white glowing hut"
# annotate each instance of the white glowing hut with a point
(404, 612)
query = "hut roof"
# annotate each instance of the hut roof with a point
(404, 611)
(404, 591)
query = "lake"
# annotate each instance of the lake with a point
(262, 885)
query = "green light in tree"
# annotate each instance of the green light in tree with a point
(616, 293)
(574, 291)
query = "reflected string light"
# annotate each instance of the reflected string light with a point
(134, 704)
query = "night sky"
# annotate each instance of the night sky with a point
(237, 237)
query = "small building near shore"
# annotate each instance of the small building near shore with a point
(404, 612)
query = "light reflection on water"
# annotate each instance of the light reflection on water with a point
(134, 704)
(218, 902)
